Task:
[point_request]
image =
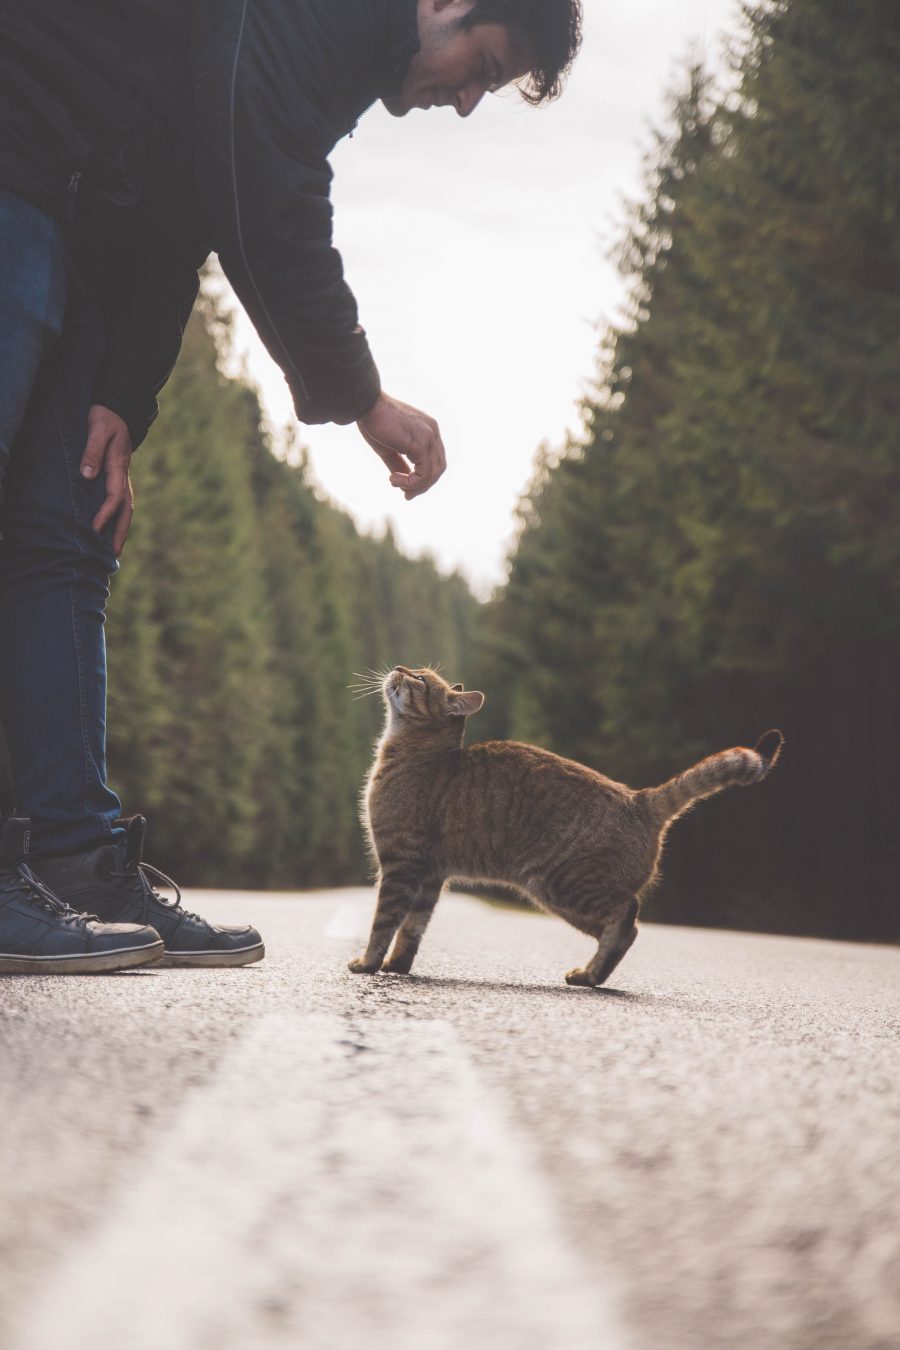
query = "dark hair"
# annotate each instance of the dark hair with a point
(549, 30)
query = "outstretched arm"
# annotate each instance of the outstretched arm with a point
(270, 114)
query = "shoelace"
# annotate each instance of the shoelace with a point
(45, 898)
(143, 871)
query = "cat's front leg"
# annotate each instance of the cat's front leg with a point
(398, 889)
(412, 929)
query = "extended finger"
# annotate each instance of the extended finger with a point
(392, 458)
(116, 493)
(95, 451)
(429, 464)
(412, 485)
(123, 524)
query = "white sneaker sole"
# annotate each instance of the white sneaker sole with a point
(241, 956)
(90, 963)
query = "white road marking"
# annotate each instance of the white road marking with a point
(351, 921)
(339, 1182)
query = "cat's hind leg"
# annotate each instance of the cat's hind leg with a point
(412, 930)
(615, 933)
(398, 890)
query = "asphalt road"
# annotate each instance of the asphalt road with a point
(706, 1154)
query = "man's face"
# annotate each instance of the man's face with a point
(456, 68)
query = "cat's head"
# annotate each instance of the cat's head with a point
(422, 698)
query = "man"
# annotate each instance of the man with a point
(135, 139)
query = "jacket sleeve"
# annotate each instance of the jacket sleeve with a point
(146, 308)
(269, 92)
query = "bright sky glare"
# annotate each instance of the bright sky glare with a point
(477, 250)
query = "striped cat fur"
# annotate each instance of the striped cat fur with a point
(569, 839)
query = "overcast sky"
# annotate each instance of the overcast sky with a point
(477, 250)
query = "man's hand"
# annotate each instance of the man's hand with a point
(405, 437)
(108, 451)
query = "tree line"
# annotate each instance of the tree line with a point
(720, 550)
(245, 605)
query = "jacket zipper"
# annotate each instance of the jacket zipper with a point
(72, 192)
(237, 209)
(350, 130)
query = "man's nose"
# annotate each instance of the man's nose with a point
(468, 99)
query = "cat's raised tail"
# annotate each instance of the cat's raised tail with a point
(729, 768)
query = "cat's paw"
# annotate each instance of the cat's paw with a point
(362, 967)
(398, 965)
(581, 976)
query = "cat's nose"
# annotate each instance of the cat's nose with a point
(403, 670)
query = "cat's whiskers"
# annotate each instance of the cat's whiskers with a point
(370, 682)
(371, 676)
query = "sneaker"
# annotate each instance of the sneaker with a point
(41, 935)
(116, 882)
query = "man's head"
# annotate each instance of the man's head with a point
(471, 47)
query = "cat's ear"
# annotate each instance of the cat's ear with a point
(463, 705)
(457, 688)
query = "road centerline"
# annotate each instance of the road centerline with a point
(338, 1181)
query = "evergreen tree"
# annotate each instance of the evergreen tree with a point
(193, 626)
(244, 605)
(721, 550)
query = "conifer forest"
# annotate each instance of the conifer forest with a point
(716, 553)
(720, 552)
(245, 606)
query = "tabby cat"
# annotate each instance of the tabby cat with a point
(569, 839)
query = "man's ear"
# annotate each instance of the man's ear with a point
(463, 705)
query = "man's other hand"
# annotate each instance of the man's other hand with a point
(108, 451)
(408, 441)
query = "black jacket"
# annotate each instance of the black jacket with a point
(163, 130)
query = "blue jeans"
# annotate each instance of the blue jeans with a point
(54, 568)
